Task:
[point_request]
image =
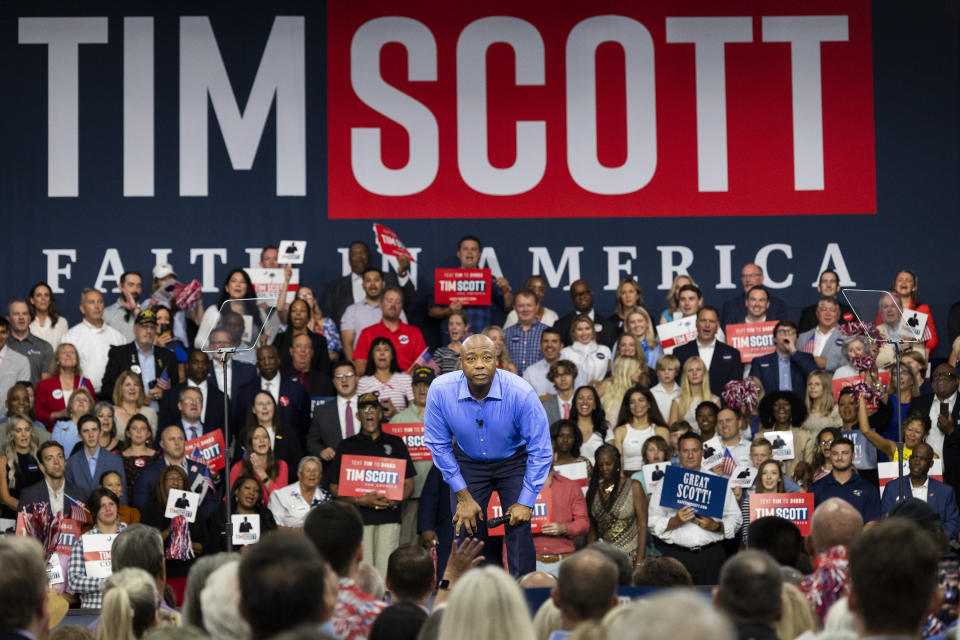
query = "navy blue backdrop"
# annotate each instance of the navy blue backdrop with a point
(916, 58)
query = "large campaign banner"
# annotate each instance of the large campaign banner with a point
(591, 141)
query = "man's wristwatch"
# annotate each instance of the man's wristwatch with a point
(444, 585)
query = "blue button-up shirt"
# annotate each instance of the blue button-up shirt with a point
(524, 346)
(509, 417)
(783, 370)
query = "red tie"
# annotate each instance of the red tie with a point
(349, 420)
(566, 410)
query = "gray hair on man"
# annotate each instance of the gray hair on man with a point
(675, 615)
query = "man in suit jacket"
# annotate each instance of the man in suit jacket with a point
(723, 361)
(829, 287)
(786, 365)
(293, 403)
(14, 367)
(919, 484)
(171, 443)
(340, 293)
(824, 340)
(942, 408)
(198, 374)
(316, 382)
(337, 420)
(582, 297)
(53, 465)
(152, 365)
(24, 582)
(562, 373)
(734, 309)
(79, 471)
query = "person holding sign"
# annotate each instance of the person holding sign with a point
(782, 412)
(905, 289)
(618, 506)
(503, 444)
(769, 480)
(381, 516)
(693, 539)
(104, 508)
(567, 440)
(246, 499)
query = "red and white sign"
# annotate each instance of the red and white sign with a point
(576, 471)
(388, 242)
(601, 109)
(839, 384)
(542, 511)
(267, 282)
(888, 471)
(360, 475)
(96, 554)
(753, 339)
(209, 449)
(468, 286)
(677, 332)
(412, 434)
(795, 507)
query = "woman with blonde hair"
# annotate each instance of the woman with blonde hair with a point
(694, 389)
(627, 373)
(672, 311)
(19, 466)
(129, 400)
(821, 409)
(629, 298)
(129, 605)
(640, 326)
(495, 333)
(487, 604)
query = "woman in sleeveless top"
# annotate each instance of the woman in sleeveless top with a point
(639, 419)
(617, 506)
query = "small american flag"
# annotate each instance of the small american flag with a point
(163, 381)
(729, 464)
(78, 510)
(808, 346)
(426, 360)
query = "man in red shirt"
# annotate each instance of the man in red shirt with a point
(569, 519)
(407, 340)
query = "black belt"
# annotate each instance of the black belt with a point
(661, 543)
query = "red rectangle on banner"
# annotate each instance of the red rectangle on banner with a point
(610, 108)
(469, 286)
(542, 511)
(839, 384)
(209, 449)
(752, 340)
(359, 475)
(412, 434)
(795, 507)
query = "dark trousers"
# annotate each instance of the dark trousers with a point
(703, 564)
(506, 478)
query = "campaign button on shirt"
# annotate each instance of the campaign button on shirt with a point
(403, 339)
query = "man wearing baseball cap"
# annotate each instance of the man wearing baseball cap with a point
(157, 368)
(413, 415)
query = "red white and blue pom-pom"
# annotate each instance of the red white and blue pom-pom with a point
(43, 525)
(179, 546)
(741, 395)
(862, 363)
(867, 392)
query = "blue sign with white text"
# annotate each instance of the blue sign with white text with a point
(704, 492)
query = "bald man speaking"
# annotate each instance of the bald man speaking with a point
(502, 444)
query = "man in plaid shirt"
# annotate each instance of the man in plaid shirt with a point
(523, 339)
(104, 505)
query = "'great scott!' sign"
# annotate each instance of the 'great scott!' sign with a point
(468, 286)
(703, 492)
(795, 507)
(359, 475)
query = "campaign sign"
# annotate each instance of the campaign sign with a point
(864, 453)
(96, 554)
(246, 528)
(55, 570)
(782, 444)
(712, 453)
(388, 243)
(360, 475)
(704, 492)
(839, 384)
(913, 325)
(267, 282)
(888, 471)
(468, 286)
(182, 503)
(653, 474)
(576, 471)
(542, 512)
(753, 339)
(207, 449)
(412, 434)
(291, 251)
(795, 507)
(69, 531)
(743, 476)
(677, 332)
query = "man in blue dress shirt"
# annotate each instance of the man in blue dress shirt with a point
(502, 444)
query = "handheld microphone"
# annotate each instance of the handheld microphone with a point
(492, 523)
